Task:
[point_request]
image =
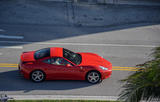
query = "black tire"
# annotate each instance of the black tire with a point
(37, 76)
(93, 77)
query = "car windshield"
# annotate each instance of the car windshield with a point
(73, 57)
(42, 53)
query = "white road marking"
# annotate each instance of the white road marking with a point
(1, 30)
(62, 97)
(79, 44)
(12, 47)
(11, 37)
(88, 44)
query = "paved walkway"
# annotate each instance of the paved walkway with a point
(62, 97)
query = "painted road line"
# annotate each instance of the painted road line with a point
(62, 97)
(79, 44)
(11, 65)
(89, 44)
(11, 37)
(124, 70)
(12, 47)
(123, 67)
(112, 69)
(1, 30)
(8, 64)
(127, 68)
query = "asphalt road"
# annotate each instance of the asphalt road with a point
(124, 46)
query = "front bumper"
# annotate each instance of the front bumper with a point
(106, 74)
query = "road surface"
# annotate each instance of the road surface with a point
(124, 46)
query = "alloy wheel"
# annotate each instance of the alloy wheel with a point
(93, 77)
(37, 76)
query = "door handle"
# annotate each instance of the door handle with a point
(82, 69)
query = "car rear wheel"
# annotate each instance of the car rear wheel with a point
(93, 77)
(37, 76)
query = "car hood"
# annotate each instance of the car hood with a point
(28, 56)
(94, 59)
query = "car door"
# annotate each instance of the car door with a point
(53, 71)
(59, 68)
(71, 71)
(75, 73)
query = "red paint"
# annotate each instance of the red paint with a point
(56, 51)
(90, 61)
(28, 56)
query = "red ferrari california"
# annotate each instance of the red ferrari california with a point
(57, 63)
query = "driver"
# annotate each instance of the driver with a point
(58, 61)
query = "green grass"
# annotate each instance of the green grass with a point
(59, 101)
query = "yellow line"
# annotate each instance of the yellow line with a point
(127, 68)
(113, 68)
(7, 64)
(124, 67)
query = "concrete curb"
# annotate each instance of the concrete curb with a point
(61, 97)
(126, 2)
(133, 2)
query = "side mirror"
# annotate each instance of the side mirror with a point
(68, 65)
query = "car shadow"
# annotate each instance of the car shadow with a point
(13, 81)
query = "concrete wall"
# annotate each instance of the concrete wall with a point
(33, 12)
(67, 13)
(130, 2)
(102, 15)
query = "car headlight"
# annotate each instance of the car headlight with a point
(103, 68)
(102, 56)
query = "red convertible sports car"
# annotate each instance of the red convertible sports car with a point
(57, 63)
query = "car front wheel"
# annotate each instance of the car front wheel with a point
(37, 76)
(93, 77)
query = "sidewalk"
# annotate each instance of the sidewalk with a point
(127, 2)
(75, 14)
(134, 2)
(62, 97)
